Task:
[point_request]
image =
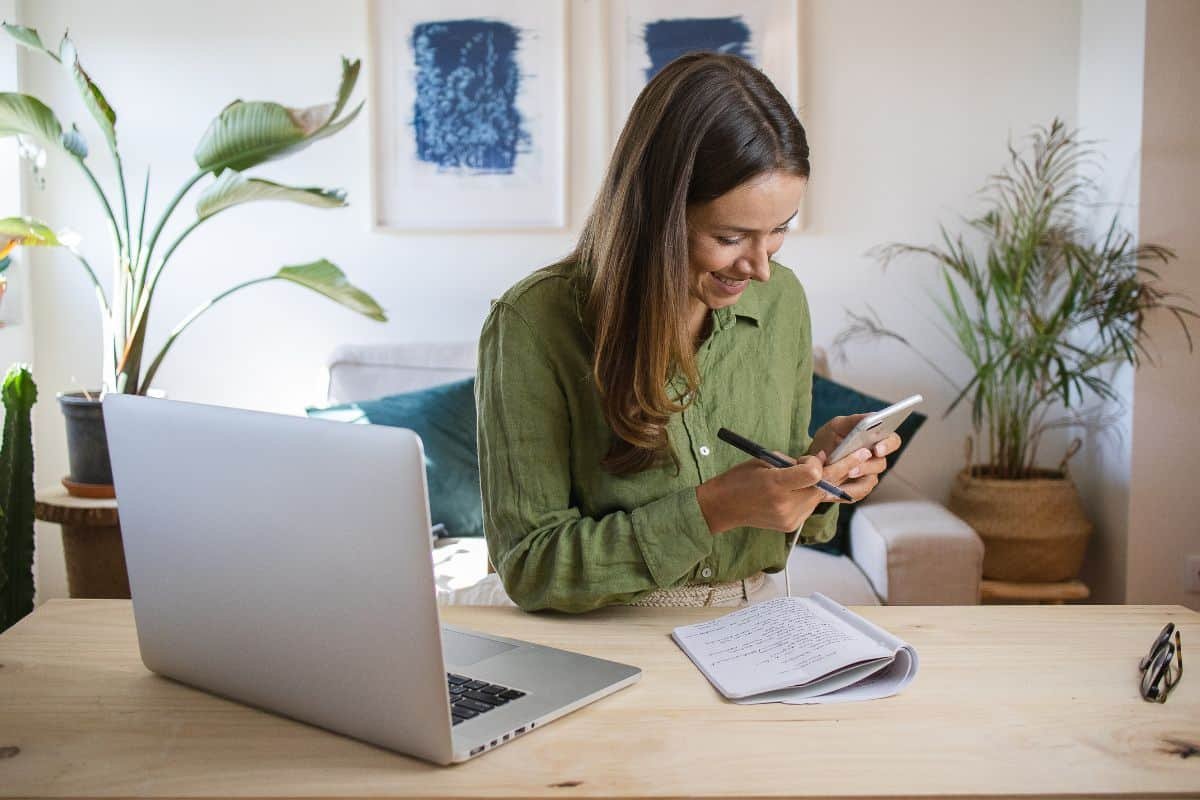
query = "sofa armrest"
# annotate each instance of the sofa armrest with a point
(915, 552)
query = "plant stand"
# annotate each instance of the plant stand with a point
(92, 548)
(1055, 593)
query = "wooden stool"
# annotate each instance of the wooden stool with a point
(1051, 593)
(92, 547)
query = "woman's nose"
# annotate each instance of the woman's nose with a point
(757, 265)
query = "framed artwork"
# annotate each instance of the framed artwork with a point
(645, 35)
(468, 119)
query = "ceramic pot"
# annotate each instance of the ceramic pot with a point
(87, 443)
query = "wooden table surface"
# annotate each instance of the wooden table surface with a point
(1009, 701)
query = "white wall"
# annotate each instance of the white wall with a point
(908, 107)
(16, 328)
(1112, 49)
(1164, 506)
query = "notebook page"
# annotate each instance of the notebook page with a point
(862, 624)
(822, 688)
(786, 642)
(870, 681)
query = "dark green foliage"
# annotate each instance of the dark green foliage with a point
(16, 497)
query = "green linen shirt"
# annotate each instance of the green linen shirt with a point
(565, 534)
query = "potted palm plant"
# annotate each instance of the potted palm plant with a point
(1044, 313)
(243, 136)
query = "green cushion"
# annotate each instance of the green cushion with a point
(444, 417)
(832, 399)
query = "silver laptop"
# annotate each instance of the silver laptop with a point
(285, 563)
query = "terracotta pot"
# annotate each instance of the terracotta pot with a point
(1033, 530)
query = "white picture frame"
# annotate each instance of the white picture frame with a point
(441, 160)
(773, 29)
(774, 41)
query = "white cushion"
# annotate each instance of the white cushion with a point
(367, 371)
(916, 552)
(489, 591)
(458, 563)
(836, 577)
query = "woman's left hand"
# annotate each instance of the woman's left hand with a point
(831, 434)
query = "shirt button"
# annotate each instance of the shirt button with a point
(704, 450)
(706, 572)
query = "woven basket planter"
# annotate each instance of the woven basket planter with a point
(1033, 530)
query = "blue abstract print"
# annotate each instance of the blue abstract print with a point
(465, 115)
(667, 39)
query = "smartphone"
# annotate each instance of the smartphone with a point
(874, 428)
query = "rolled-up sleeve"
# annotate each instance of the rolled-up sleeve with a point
(547, 553)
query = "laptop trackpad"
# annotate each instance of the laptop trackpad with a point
(463, 649)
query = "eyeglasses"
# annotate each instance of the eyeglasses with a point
(1162, 667)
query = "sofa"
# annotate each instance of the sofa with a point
(907, 549)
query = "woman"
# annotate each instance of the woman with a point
(603, 379)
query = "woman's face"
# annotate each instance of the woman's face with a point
(731, 239)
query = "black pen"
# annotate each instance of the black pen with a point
(763, 454)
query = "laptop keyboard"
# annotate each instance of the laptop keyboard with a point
(470, 698)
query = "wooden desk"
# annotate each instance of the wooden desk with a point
(1009, 701)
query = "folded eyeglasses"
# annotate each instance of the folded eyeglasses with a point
(1162, 667)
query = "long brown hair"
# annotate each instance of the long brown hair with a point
(702, 126)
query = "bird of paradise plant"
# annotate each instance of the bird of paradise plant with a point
(243, 136)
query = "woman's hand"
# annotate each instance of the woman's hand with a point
(831, 434)
(760, 496)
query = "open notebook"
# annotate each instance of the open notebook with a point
(798, 650)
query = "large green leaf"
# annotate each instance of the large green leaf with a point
(93, 98)
(232, 188)
(26, 232)
(246, 134)
(325, 278)
(28, 37)
(22, 115)
(349, 78)
(68, 56)
(28, 116)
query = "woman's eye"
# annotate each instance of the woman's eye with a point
(734, 240)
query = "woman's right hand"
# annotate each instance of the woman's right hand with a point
(757, 495)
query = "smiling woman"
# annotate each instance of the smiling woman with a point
(603, 379)
(732, 238)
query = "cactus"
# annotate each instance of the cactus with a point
(16, 497)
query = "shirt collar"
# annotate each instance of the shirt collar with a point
(749, 305)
